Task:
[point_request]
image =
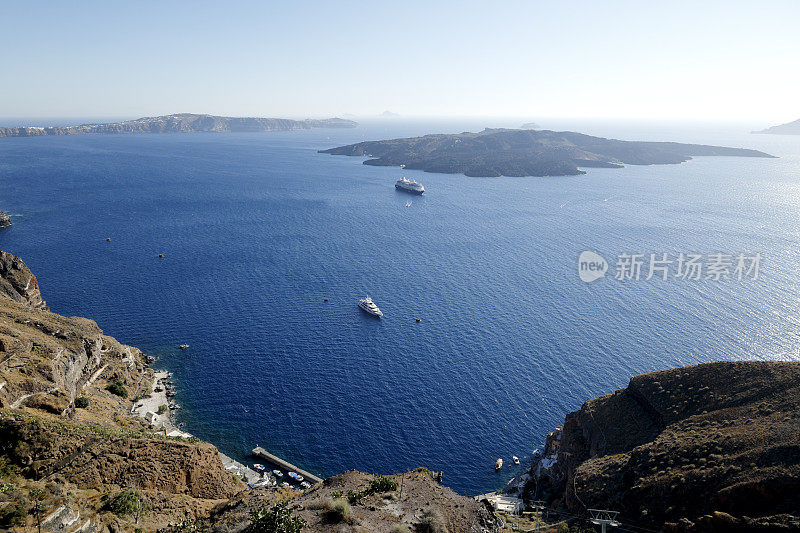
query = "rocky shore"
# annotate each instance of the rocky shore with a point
(5, 220)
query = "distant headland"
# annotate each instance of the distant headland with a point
(790, 128)
(180, 123)
(508, 152)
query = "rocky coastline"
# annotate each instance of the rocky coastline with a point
(711, 447)
(180, 123)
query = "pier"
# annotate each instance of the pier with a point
(261, 453)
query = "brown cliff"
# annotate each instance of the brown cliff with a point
(685, 449)
(81, 455)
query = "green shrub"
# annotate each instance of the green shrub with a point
(431, 522)
(6, 468)
(81, 402)
(162, 409)
(127, 502)
(383, 484)
(355, 496)
(278, 519)
(340, 510)
(12, 516)
(117, 388)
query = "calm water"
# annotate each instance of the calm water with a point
(257, 229)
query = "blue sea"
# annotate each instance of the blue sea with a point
(258, 229)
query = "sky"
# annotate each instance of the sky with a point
(729, 60)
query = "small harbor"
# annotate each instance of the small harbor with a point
(261, 453)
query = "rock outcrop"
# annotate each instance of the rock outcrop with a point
(502, 152)
(18, 283)
(5, 220)
(685, 449)
(422, 505)
(180, 123)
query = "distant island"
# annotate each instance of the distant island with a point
(390, 114)
(529, 126)
(508, 152)
(790, 128)
(180, 123)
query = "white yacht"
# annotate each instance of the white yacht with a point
(369, 306)
(408, 185)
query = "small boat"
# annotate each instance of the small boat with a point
(515, 459)
(258, 467)
(277, 473)
(183, 346)
(295, 476)
(305, 485)
(499, 464)
(408, 204)
(284, 484)
(369, 306)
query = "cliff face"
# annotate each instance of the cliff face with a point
(18, 283)
(181, 123)
(91, 457)
(80, 455)
(707, 446)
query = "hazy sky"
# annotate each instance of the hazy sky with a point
(699, 59)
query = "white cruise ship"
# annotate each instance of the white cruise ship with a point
(369, 306)
(408, 185)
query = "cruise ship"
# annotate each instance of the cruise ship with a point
(408, 185)
(369, 306)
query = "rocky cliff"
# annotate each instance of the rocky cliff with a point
(66, 432)
(5, 220)
(18, 283)
(180, 123)
(526, 152)
(705, 448)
